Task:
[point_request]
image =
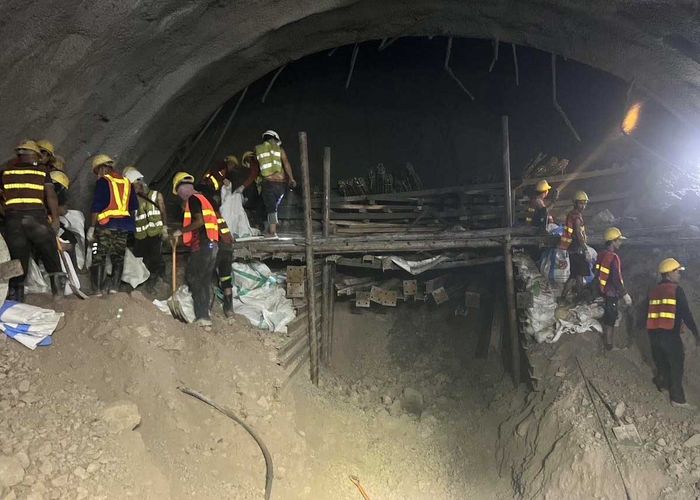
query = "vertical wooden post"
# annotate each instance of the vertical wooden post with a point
(325, 311)
(310, 285)
(508, 259)
(326, 191)
(331, 310)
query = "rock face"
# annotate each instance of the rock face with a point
(106, 76)
(412, 401)
(121, 416)
(11, 471)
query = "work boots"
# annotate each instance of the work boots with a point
(228, 305)
(97, 277)
(16, 292)
(58, 285)
(116, 278)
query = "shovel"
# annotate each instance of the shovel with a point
(173, 303)
(75, 287)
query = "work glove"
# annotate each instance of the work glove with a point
(164, 234)
(627, 299)
(176, 234)
(239, 189)
(90, 235)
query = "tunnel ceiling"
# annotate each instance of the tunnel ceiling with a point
(133, 78)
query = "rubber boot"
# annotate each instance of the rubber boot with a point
(58, 285)
(228, 305)
(116, 278)
(19, 293)
(96, 277)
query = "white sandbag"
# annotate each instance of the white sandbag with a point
(27, 324)
(74, 221)
(266, 308)
(135, 271)
(555, 265)
(35, 281)
(184, 298)
(234, 214)
(247, 277)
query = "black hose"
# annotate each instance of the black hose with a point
(269, 473)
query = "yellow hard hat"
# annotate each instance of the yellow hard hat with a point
(46, 146)
(60, 178)
(181, 177)
(669, 265)
(58, 162)
(542, 186)
(580, 196)
(100, 160)
(245, 159)
(612, 234)
(28, 145)
(232, 159)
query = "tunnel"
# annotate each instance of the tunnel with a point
(405, 338)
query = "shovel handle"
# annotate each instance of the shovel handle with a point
(173, 245)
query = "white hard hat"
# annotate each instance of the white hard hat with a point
(275, 135)
(132, 174)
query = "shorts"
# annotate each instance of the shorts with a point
(272, 194)
(580, 268)
(610, 313)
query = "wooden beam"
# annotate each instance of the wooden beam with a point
(326, 191)
(310, 275)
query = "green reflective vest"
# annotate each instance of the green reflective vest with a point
(269, 157)
(149, 221)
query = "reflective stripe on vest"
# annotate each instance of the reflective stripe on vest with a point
(149, 220)
(24, 186)
(661, 314)
(214, 181)
(269, 157)
(119, 192)
(606, 258)
(567, 236)
(210, 220)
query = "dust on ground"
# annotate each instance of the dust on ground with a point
(98, 414)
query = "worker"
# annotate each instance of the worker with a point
(61, 184)
(200, 233)
(276, 172)
(216, 177)
(610, 284)
(48, 153)
(151, 230)
(540, 202)
(574, 241)
(26, 187)
(114, 208)
(224, 261)
(668, 310)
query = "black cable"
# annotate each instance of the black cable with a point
(269, 473)
(602, 427)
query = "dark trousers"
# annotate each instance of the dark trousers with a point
(109, 243)
(200, 268)
(668, 355)
(150, 249)
(272, 194)
(29, 231)
(224, 259)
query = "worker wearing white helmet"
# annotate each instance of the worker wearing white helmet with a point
(276, 172)
(538, 208)
(668, 310)
(151, 230)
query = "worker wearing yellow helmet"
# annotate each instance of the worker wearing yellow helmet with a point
(574, 240)
(200, 233)
(26, 186)
(610, 284)
(667, 311)
(113, 214)
(538, 209)
(48, 152)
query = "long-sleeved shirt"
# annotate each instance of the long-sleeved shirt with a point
(683, 315)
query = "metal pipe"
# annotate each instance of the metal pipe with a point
(272, 82)
(355, 50)
(223, 132)
(309, 243)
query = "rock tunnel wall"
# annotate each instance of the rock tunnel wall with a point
(134, 78)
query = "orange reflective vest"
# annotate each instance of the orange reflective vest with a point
(568, 235)
(604, 265)
(662, 307)
(119, 192)
(210, 220)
